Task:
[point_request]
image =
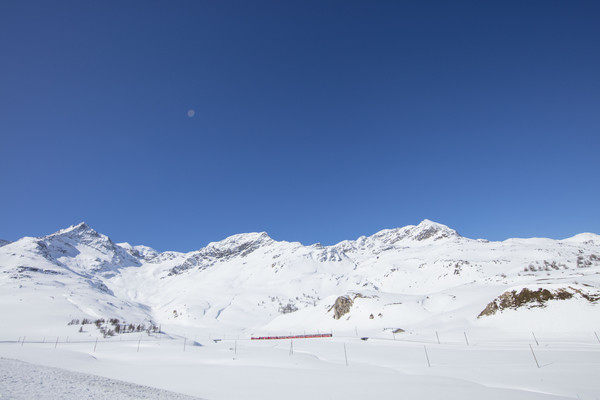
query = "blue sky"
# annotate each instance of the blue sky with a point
(315, 121)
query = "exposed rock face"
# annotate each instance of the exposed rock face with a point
(341, 306)
(237, 245)
(533, 298)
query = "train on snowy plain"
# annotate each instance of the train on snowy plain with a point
(318, 335)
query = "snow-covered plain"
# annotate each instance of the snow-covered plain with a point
(20, 380)
(316, 368)
(426, 280)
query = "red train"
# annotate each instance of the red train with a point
(318, 335)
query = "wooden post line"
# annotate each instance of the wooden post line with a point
(427, 356)
(345, 354)
(534, 357)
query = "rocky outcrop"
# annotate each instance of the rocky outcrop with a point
(234, 246)
(534, 298)
(341, 306)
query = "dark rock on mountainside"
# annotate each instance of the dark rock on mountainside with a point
(534, 298)
(342, 305)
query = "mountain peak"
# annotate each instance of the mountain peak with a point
(429, 229)
(426, 229)
(83, 249)
(78, 228)
(427, 222)
(241, 245)
(258, 238)
(584, 237)
(80, 233)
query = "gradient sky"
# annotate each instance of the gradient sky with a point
(315, 121)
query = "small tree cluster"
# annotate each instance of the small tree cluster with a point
(107, 332)
(288, 308)
(114, 326)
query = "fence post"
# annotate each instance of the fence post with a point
(534, 357)
(95, 345)
(291, 347)
(466, 340)
(597, 338)
(23, 342)
(534, 338)
(139, 341)
(56, 344)
(345, 354)
(437, 336)
(427, 356)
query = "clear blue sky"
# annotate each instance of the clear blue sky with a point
(315, 121)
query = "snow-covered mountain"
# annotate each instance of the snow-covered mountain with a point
(423, 276)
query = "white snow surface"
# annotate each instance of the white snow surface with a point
(24, 381)
(425, 279)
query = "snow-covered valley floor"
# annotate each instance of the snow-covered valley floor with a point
(23, 381)
(489, 367)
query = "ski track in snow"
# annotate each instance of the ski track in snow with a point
(21, 380)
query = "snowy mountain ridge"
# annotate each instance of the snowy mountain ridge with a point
(414, 277)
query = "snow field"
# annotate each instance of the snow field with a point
(495, 367)
(24, 381)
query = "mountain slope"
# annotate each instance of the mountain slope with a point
(423, 276)
(49, 281)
